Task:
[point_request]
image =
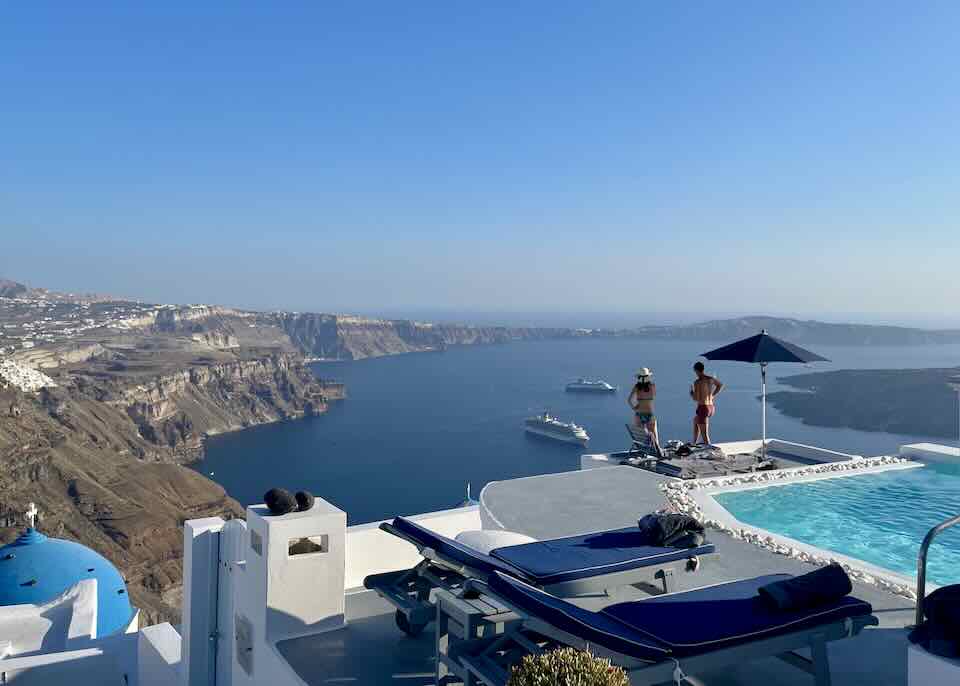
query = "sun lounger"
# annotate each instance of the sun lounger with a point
(641, 442)
(576, 565)
(492, 625)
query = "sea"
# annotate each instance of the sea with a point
(417, 429)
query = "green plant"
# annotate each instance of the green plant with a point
(567, 667)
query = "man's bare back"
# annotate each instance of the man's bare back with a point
(704, 390)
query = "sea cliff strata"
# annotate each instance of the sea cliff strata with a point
(101, 452)
(177, 410)
(347, 337)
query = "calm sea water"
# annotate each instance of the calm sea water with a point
(416, 429)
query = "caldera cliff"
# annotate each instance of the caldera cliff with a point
(101, 453)
(347, 337)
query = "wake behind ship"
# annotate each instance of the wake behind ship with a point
(550, 427)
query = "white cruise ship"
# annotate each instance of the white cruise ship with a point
(551, 427)
(590, 386)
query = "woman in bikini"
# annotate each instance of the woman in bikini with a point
(641, 400)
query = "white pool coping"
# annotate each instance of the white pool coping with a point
(696, 497)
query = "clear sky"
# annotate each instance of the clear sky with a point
(729, 157)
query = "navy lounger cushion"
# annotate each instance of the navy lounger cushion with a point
(725, 615)
(588, 555)
(590, 626)
(452, 550)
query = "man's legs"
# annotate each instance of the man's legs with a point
(705, 431)
(696, 429)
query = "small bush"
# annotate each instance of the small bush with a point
(567, 667)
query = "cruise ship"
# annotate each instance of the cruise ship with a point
(590, 386)
(551, 427)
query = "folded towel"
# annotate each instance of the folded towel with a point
(672, 530)
(819, 587)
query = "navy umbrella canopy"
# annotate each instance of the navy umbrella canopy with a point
(763, 349)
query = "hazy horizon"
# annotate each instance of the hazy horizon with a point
(572, 319)
(540, 160)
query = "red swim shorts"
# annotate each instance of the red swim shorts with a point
(704, 412)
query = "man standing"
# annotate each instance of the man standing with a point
(703, 391)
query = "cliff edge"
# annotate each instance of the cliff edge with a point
(101, 452)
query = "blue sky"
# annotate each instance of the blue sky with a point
(641, 157)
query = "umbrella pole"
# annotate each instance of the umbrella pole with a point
(763, 411)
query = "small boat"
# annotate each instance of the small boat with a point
(550, 427)
(590, 386)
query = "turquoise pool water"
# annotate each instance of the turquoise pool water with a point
(879, 518)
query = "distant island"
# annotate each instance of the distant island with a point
(800, 331)
(904, 401)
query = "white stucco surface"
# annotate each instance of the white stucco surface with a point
(372, 551)
(54, 625)
(931, 452)
(924, 669)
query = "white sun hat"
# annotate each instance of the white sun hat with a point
(642, 372)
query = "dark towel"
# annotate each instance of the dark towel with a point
(672, 530)
(940, 631)
(819, 587)
(279, 501)
(304, 500)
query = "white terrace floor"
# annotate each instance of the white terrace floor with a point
(370, 650)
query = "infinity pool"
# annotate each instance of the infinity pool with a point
(878, 518)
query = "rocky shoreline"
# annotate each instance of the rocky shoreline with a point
(915, 402)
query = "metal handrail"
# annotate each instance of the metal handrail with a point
(922, 562)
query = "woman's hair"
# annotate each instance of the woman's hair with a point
(643, 385)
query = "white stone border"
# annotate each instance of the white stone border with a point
(695, 497)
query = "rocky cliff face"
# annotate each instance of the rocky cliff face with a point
(176, 411)
(100, 455)
(345, 337)
(72, 455)
(205, 324)
(48, 357)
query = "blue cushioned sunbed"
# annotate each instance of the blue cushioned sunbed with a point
(724, 615)
(657, 638)
(565, 559)
(679, 623)
(565, 566)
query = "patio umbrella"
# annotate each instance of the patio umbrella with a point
(763, 349)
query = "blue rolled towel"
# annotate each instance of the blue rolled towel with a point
(819, 587)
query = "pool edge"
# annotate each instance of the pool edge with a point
(696, 497)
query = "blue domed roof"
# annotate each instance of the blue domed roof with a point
(35, 569)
